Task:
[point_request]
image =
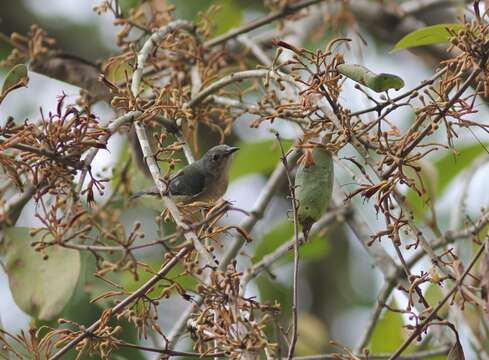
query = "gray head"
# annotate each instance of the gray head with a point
(217, 158)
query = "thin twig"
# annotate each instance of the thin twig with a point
(144, 141)
(275, 15)
(168, 351)
(420, 328)
(274, 182)
(295, 295)
(127, 301)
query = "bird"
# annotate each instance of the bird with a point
(205, 180)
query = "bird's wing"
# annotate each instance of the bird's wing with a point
(190, 182)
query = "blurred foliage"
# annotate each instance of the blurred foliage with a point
(312, 335)
(387, 336)
(257, 157)
(127, 5)
(447, 168)
(82, 311)
(229, 15)
(5, 47)
(316, 248)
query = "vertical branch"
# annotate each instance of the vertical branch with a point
(293, 340)
(143, 138)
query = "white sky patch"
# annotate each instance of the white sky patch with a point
(75, 10)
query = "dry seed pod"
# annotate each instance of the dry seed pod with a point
(313, 186)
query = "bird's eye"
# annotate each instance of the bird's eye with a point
(215, 157)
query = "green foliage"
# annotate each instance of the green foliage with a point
(387, 336)
(127, 5)
(15, 78)
(81, 311)
(377, 82)
(448, 167)
(312, 336)
(5, 46)
(274, 292)
(435, 34)
(256, 157)
(130, 283)
(228, 16)
(40, 287)
(316, 248)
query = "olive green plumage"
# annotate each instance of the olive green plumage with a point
(313, 187)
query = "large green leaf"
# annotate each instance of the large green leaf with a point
(435, 34)
(387, 335)
(257, 157)
(316, 247)
(40, 287)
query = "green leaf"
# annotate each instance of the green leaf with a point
(127, 5)
(435, 34)
(377, 82)
(16, 77)
(256, 157)
(316, 247)
(40, 287)
(387, 335)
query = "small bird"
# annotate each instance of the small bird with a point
(204, 180)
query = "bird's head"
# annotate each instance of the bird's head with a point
(217, 158)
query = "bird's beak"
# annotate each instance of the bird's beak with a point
(232, 150)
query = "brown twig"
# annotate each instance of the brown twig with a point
(127, 301)
(434, 313)
(254, 24)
